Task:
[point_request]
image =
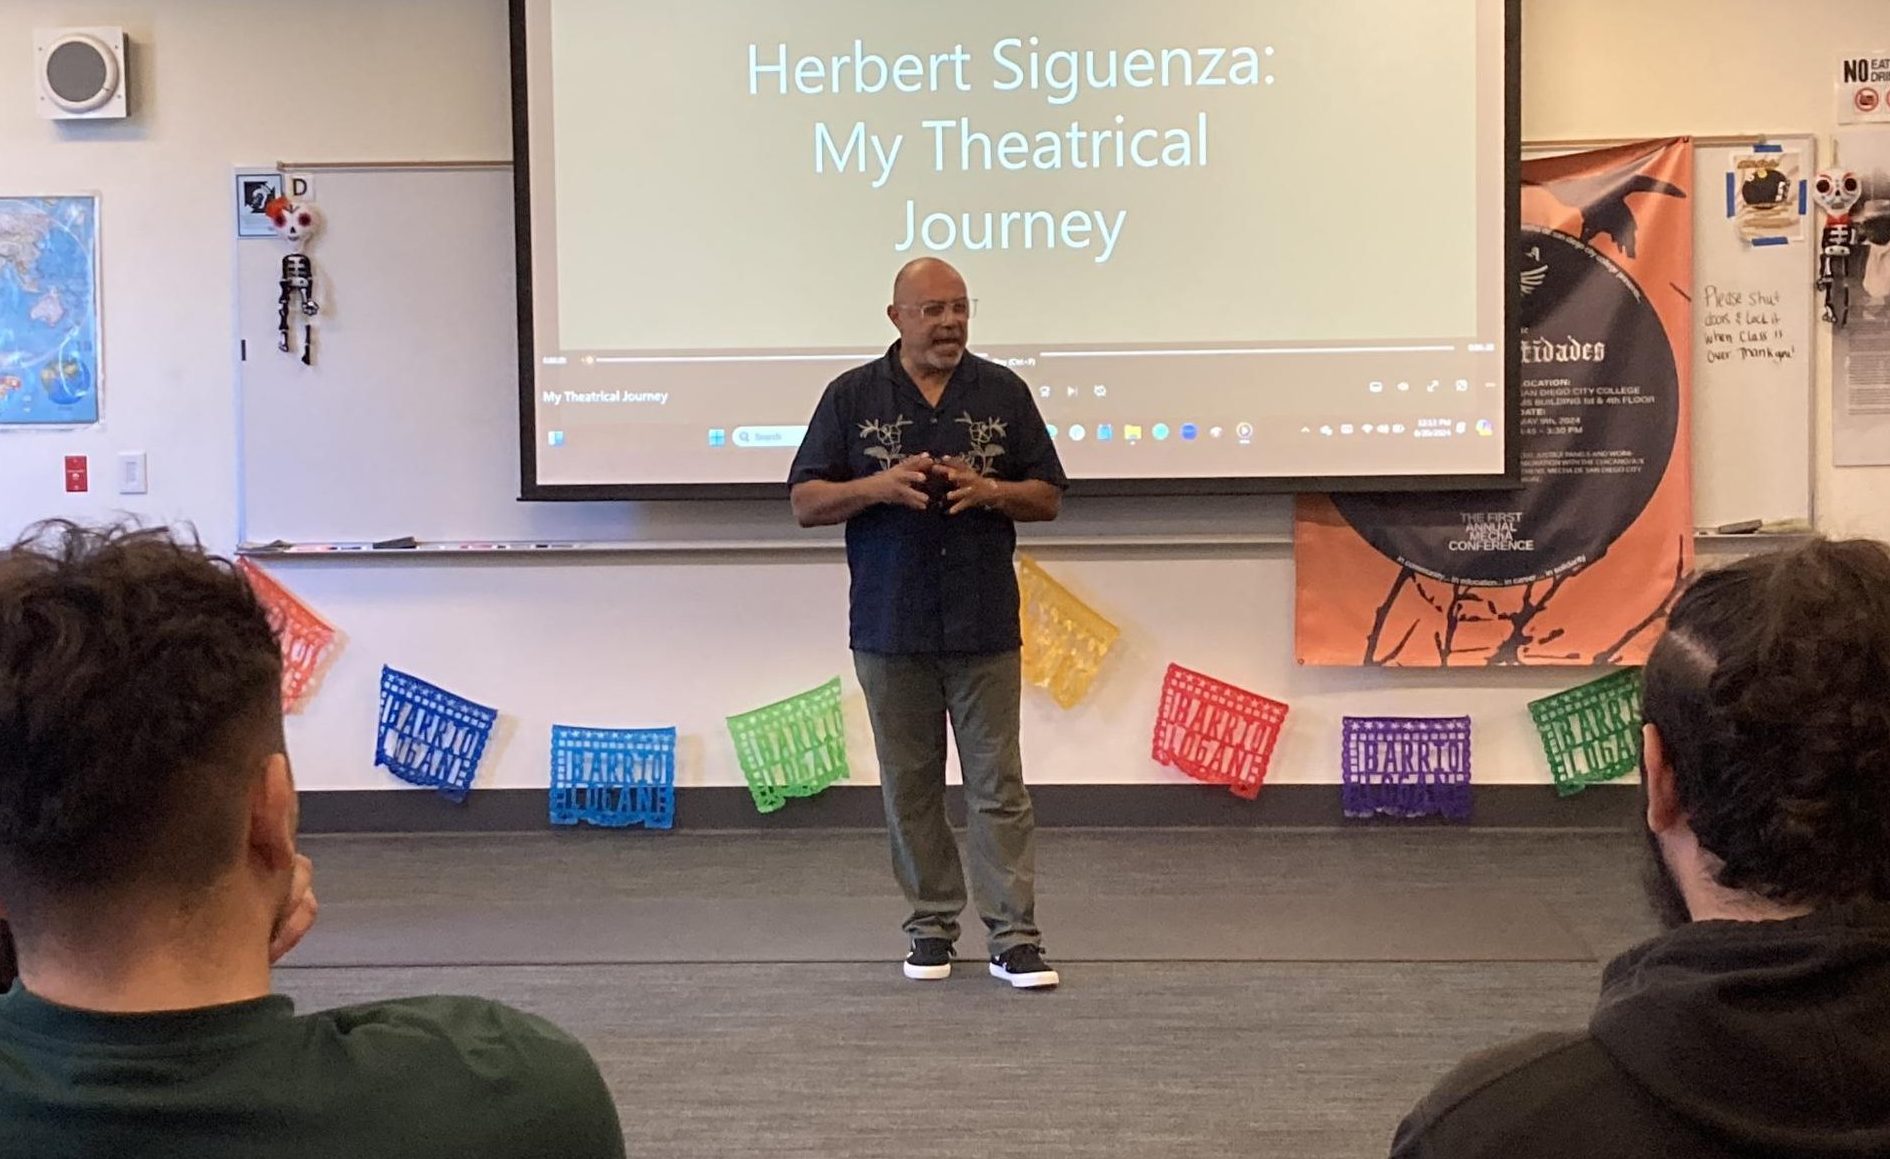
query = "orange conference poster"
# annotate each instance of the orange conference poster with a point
(1580, 566)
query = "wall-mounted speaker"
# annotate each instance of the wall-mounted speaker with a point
(81, 73)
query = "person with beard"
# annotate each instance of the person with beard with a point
(150, 876)
(931, 455)
(1759, 1023)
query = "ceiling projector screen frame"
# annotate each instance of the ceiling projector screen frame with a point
(531, 346)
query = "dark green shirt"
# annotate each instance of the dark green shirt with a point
(413, 1079)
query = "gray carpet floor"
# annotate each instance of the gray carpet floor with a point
(740, 995)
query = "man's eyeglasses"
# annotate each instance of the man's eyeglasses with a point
(933, 311)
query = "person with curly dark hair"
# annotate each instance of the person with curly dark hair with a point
(150, 877)
(1759, 1024)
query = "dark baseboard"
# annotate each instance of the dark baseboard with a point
(1613, 807)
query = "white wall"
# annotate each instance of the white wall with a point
(685, 641)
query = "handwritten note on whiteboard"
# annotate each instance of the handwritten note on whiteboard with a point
(1746, 323)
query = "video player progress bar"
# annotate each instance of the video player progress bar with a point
(646, 359)
(1249, 350)
(864, 355)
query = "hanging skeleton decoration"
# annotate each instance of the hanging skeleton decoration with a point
(1836, 191)
(298, 222)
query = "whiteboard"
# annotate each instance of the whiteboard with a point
(1752, 412)
(407, 422)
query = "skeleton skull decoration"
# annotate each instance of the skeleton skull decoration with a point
(1837, 192)
(298, 222)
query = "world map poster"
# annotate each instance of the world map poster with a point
(49, 328)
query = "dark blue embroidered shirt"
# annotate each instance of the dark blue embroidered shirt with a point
(925, 581)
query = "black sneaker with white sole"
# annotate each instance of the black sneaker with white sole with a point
(1024, 968)
(930, 960)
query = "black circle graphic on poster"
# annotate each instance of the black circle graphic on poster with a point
(1601, 407)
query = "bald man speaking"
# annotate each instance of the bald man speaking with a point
(931, 456)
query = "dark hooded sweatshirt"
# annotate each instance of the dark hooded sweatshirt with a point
(1717, 1039)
